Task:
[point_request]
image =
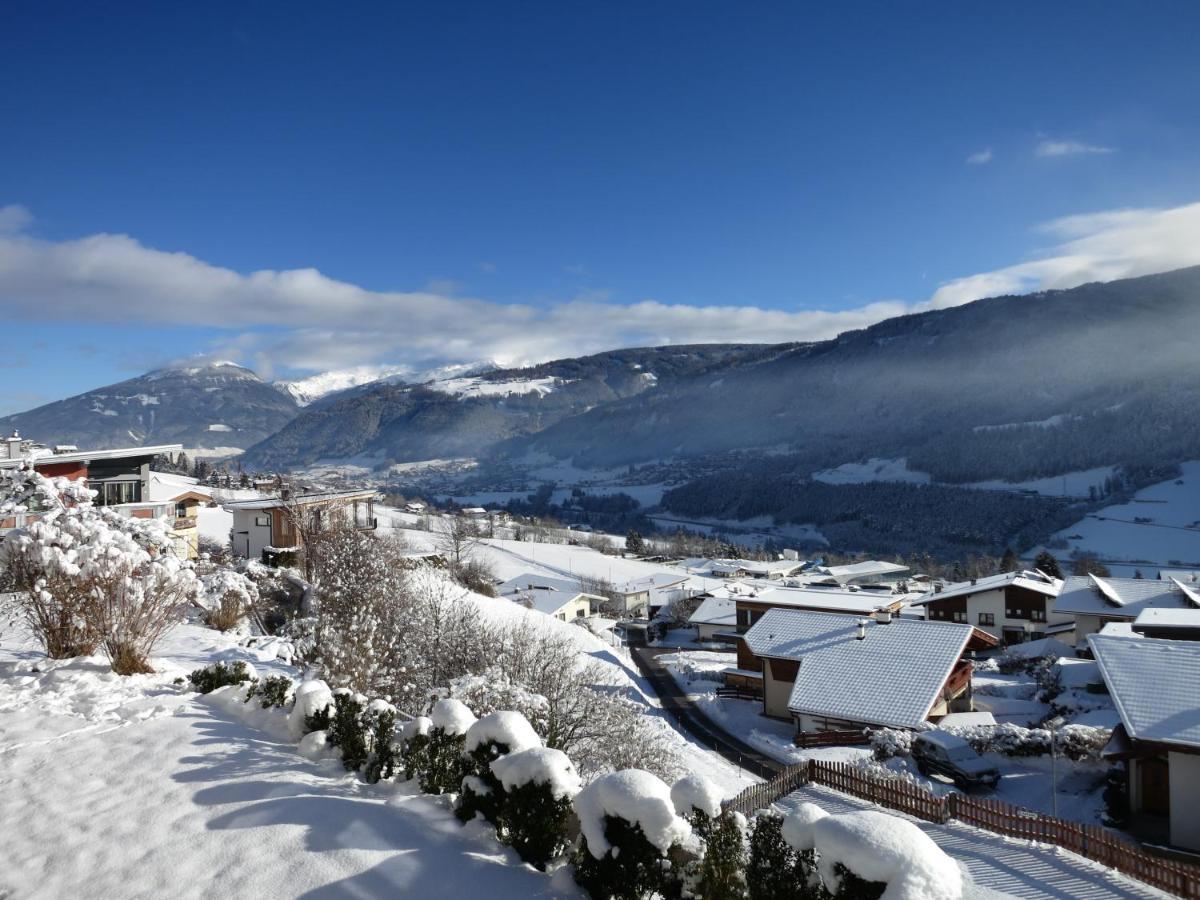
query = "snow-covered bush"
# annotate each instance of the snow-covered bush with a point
(774, 871)
(347, 728)
(628, 826)
(384, 759)
(1077, 742)
(220, 674)
(880, 849)
(797, 831)
(312, 709)
(887, 743)
(488, 739)
(722, 870)
(443, 755)
(227, 598)
(87, 576)
(494, 690)
(274, 691)
(414, 746)
(535, 819)
(362, 615)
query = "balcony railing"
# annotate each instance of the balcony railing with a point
(959, 680)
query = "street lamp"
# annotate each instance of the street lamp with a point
(1053, 725)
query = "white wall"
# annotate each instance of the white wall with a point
(1185, 800)
(776, 694)
(1085, 625)
(251, 545)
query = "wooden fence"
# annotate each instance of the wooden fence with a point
(831, 738)
(1089, 841)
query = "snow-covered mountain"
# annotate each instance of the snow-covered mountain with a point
(306, 391)
(210, 405)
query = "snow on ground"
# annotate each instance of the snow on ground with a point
(132, 787)
(1009, 698)
(478, 387)
(872, 470)
(1071, 484)
(1168, 535)
(1011, 867)
(214, 523)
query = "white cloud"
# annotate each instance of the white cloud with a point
(1069, 148)
(1099, 246)
(14, 218)
(980, 157)
(303, 320)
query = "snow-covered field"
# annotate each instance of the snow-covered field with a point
(872, 470)
(1160, 526)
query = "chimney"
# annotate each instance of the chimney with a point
(285, 494)
(862, 630)
(883, 617)
(13, 445)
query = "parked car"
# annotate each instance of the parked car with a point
(946, 754)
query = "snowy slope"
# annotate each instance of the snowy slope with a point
(307, 390)
(132, 788)
(1167, 535)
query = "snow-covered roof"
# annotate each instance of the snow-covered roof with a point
(1046, 646)
(890, 677)
(166, 486)
(1187, 576)
(761, 567)
(966, 719)
(1153, 686)
(871, 568)
(545, 601)
(1124, 598)
(544, 593)
(1167, 618)
(857, 602)
(1119, 629)
(531, 581)
(652, 582)
(300, 500)
(84, 456)
(715, 611)
(1033, 581)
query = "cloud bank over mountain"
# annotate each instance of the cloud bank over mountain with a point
(303, 320)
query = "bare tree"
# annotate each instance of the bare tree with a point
(456, 538)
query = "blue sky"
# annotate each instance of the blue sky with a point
(529, 180)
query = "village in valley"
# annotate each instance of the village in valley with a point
(1026, 721)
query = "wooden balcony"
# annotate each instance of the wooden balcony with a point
(959, 680)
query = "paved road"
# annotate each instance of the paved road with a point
(695, 722)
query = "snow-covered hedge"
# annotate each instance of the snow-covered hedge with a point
(1077, 742)
(628, 822)
(873, 847)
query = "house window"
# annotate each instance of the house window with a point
(1038, 615)
(987, 618)
(262, 521)
(579, 613)
(110, 493)
(960, 616)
